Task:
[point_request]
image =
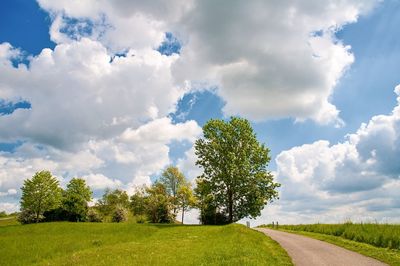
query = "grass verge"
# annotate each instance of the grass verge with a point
(389, 256)
(136, 244)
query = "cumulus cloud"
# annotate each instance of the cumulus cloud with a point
(268, 60)
(357, 179)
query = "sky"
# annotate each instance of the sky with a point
(115, 91)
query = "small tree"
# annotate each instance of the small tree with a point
(39, 194)
(119, 215)
(235, 168)
(93, 216)
(76, 198)
(158, 205)
(185, 198)
(172, 179)
(138, 204)
(111, 200)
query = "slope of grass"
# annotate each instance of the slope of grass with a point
(136, 244)
(8, 221)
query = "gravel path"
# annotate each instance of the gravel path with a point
(308, 252)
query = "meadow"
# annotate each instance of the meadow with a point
(65, 243)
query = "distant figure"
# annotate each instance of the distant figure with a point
(273, 225)
(248, 224)
(277, 225)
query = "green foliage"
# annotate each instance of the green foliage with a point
(138, 204)
(185, 198)
(158, 205)
(234, 165)
(111, 200)
(119, 215)
(39, 194)
(136, 244)
(26, 216)
(75, 199)
(378, 235)
(3, 214)
(172, 179)
(141, 219)
(93, 216)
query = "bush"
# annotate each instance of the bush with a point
(27, 217)
(119, 215)
(141, 219)
(93, 216)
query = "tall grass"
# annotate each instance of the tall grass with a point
(378, 235)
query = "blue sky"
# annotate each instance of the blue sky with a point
(128, 96)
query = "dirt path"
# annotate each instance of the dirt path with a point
(308, 252)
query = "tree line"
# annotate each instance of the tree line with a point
(44, 200)
(235, 184)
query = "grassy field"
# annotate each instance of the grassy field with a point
(136, 244)
(8, 221)
(379, 241)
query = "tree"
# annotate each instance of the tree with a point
(172, 179)
(185, 198)
(234, 168)
(75, 199)
(158, 205)
(119, 215)
(138, 204)
(39, 194)
(111, 200)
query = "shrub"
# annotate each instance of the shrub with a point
(27, 217)
(119, 215)
(93, 216)
(141, 219)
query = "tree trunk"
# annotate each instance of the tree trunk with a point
(37, 217)
(183, 213)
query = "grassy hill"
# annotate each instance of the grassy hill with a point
(136, 244)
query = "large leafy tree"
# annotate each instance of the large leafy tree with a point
(234, 167)
(172, 179)
(76, 198)
(39, 194)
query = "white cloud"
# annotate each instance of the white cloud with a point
(270, 60)
(357, 179)
(77, 94)
(100, 182)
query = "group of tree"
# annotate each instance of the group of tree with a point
(235, 184)
(44, 200)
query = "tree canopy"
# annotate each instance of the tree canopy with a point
(75, 199)
(235, 179)
(39, 194)
(172, 179)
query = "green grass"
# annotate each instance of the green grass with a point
(8, 221)
(136, 244)
(327, 233)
